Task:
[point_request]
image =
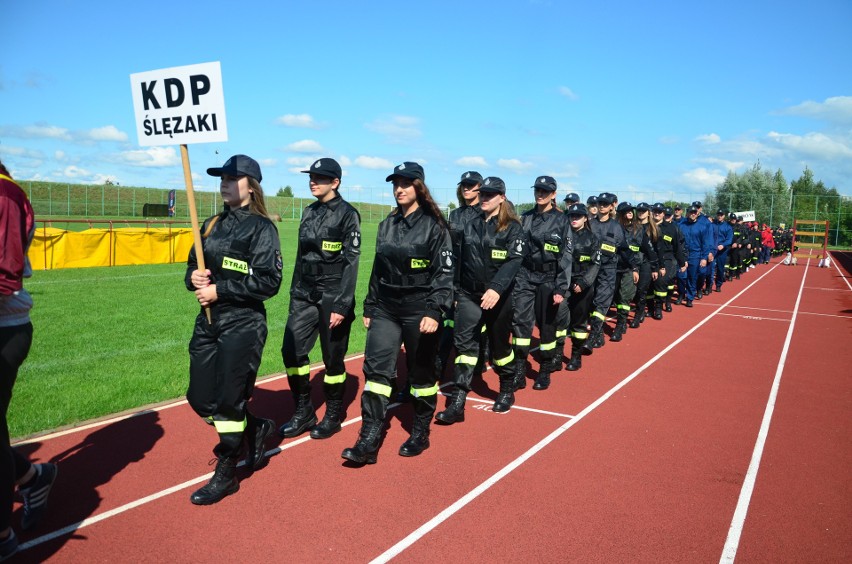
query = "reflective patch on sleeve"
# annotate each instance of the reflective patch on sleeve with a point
(419, 264)
(498, 254)
(585, 258)
(551, 248)
(332, 246)
(634, 248)
(608, 248)
(667, 238)
(234, 264)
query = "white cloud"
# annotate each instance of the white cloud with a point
(702, 179)
(268, 162)
(724, 163)
(302, 162)
(344, 160)
(373, 163)
(472, 161)
(106, 133)
(305, 146)
(397, 129)
(669, 140)
(709, 139)
(75, 172)
(297, 120)
(59, 155)
(40, 131)
(20, 152)
(816, 145)
(514, 165)
(151, 157)
(837, 109)
(568, 93)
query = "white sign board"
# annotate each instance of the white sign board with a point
(747, 215)
(179, 105)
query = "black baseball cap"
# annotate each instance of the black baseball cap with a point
(696, 204)
(677, 207)
(492, 185)
(720, 212)
(606, 199)
(577, 209)
(732, 216)
(572, 197)
(624, 207)
(471, 177)
(238, 165)
(408, 170)
(669, 211)
(592, 201)
(326, 167)
(643, 206)
(692, 209)
(545, 183)
(658, 207)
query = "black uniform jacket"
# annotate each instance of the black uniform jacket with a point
(243, 255)
(548, 236)
(414, 261)
(587, 258)
(488, 259)
(669, 243)
(630, 256)
(613, 237)
(328, 253)
(458, 217)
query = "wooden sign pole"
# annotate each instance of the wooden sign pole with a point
(193, 216)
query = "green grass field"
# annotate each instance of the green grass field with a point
(115, 338)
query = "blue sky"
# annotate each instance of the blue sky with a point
(637, 98)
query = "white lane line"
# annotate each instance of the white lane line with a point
(521, 408)
(791, 311)
(842, 276)
(733, 541)
(424, 529)
(754, 317)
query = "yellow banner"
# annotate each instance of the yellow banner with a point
(58, 248)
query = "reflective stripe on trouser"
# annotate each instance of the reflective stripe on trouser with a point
(223, 361)
(307, 321)
(470, 319)
(390, 327)
(533, 304)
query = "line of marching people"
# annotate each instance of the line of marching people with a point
(477, 283)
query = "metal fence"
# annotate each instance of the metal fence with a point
(80, 200)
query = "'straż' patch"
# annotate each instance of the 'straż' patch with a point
(234, 264)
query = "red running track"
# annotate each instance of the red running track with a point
(721, 433)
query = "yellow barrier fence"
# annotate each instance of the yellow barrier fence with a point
(59, 248)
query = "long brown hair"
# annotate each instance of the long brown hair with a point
(257, 204)
(651, 228)
(506, 215)
(424, 199)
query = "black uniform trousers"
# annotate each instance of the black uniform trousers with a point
(395, 322)
(625, 289)
(15, 345)
(604, 287)
(580, 306)
(223, 361)
(307, 320)
(644, 281)
(470, 319)
(662, 284)
(533, 304)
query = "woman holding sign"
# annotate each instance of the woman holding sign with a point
(411, 287)
(243, 258)
(322, 300)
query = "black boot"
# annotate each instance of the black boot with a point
(658, 309)
(520, 377)
(639, 316)
(305, 417)
(595, 332)
(668, 303)
(454, 413)
(334, 415)
(620, 327)
(258, 431)
(222, 484)
(366, 447)
(542, 381)
(506, 397)
(418, 441)
(679, 299)
(576, 357)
